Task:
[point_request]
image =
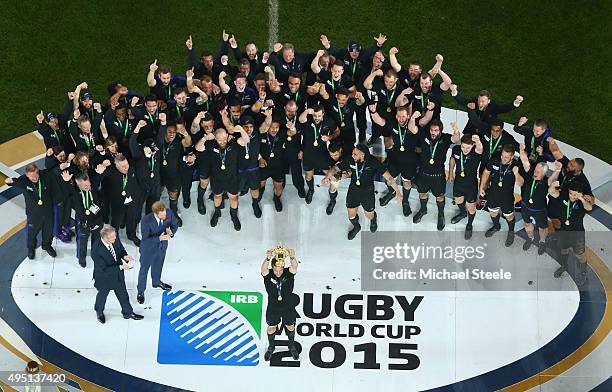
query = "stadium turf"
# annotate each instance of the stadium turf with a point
(554, 53)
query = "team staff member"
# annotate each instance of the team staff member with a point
(537, 140)
(172, 138)
(485, 111)
(279, 282)
(86, 133)
(156, 229)
(147, 161)
(224, 172)
(289, 61)
(363, 168)
(317, 129)
(432, 177)
(534, 189)
(110, 261)
(463, 170)
(575, 205)
(497, 184)
(271, 160)
(54, 131)
(38, 191)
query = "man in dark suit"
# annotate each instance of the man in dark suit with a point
(156, 229)
(110, 260)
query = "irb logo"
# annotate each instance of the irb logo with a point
(244, 299)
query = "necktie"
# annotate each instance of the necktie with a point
(110, 248)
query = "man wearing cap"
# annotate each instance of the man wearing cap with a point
(83, 101)
(54, 131)
(164, 83)
(279, 283)
(363, 169)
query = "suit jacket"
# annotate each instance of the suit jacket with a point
(106, 272)
(150, 232)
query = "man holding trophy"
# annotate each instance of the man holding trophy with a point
(278, 280)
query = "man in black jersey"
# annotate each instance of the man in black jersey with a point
(534, 188)
(271, 159)
(224, 172)
(335, 153)
(293, 145)
(341, 107)
(574, 205)
(497, 184)
(248, 161)
(279, 282)
(493, 140)
(363, 169)
(432, 177)
(538, 141)
(463, 170)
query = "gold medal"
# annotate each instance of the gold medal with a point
(357, 182)
(530, 201)
(87, 212)
(388, 110)
(402, 148)
(222, 167)
(165, 163)
(40, 202)
(431, 161)
(342, 124)
(246, 156)
(316, 143)
(279, 298)
(288, 138)
(500, 184)
(271, 155)
(152, 174)
(123, 193)
(567, 222)
(462, 174)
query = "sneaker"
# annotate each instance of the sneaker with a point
(386, 198)
(527, 244)
(418, 216)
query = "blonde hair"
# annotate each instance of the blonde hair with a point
(158, 207)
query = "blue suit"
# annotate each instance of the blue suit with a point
(152, 250)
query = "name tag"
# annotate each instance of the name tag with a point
(128, 200)
(94, 209)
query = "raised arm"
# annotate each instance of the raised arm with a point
(446, 80)
(412, 127)
(370, 79)
(393, 59)
(151, 82)
(293, 263)
(478, 143)
(304, 115)
(437, 66)
(524, 158)
(77, 95)
(224, 87)
(314, 65)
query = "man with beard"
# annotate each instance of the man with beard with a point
(292, 91)
(537, 140)
(497, 184)
(410, 77)
(150, 114)
(271, 159)
(163, 84)
(224, 172)
(317, 131)
(83, 101)
(427, 92)
(363, 169)
(256, 58)
(205, 141)
(384, 91)
(432, 177)
(463, 171)
(289, 61)
(85, 133)
(341, 107)
(485, 111)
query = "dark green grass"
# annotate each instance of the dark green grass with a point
(555, 53)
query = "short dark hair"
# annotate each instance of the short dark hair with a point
(339, 63)
(334, 146)
(206, 53)
(317, 108)
(165, 70)
(580, 162)
(497, 123)
(575, 186)
(151, 97)
(437, 123)
(540, 123)
(484, 93)
(509, 148)
(467, 139)
(178, 90)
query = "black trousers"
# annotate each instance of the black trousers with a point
(294, 164)
(128, 214)
(121, 294)
(83, 235)
(360, 113)
(62, 214)
(41, 221)
(188, 175)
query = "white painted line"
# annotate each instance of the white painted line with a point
(272, 23)
(34, 159)
(7, 171)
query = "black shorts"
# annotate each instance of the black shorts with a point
(274, 315)
(277, 173)
(224, 184)
(316, 161)
(406, 169)
(434, 183)
(203, 163)
(171, 181)
(363, 197)
(555, 208)
(538, 218)
(249, 178)
(572, 240)
(467, 190)
(503, 203)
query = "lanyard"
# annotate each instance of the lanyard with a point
(279, 287)
(166, 149)
(297, 96)
(501, 175)
(432, 151)
(39, 190)
(533, 185)
(494, 147)
(272, 142)
(151, 117)
(568, 210)
(87, 199)
(178, 110)
(354, 67)
(390, 97)
(169, 91)
(462, 161)
(341, 114)
(88, 140)
(223, 157)
(359, 172)
(125, 127)
(55, 135)
(402, 134)
(152, 163)
(125, 180)
(316, 132)
(332, 85)
(423, 107)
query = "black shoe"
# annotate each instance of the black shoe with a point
(441, 222)
(559, 272)
(256, 210)
(134, 239)
(386, 198)
(215, 218)
(50, 251)
(268, 353)
(330, 206)
(468, 232)
(509, 239)
(101, 318)
(294, 352)
(492, 230)
(527, 244)
(406, 209)
(419, 215)
(31, 254)
(186, 203)
(237, 225)
(301, 193)
(309, 195)
(457, 218)
(201, 207)
(163, 286)
(354, 231)
(140, 298)
(82, 263)
(373, 226)
(133, 316)
(541, 248)
(179, 221)
(278, 205)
